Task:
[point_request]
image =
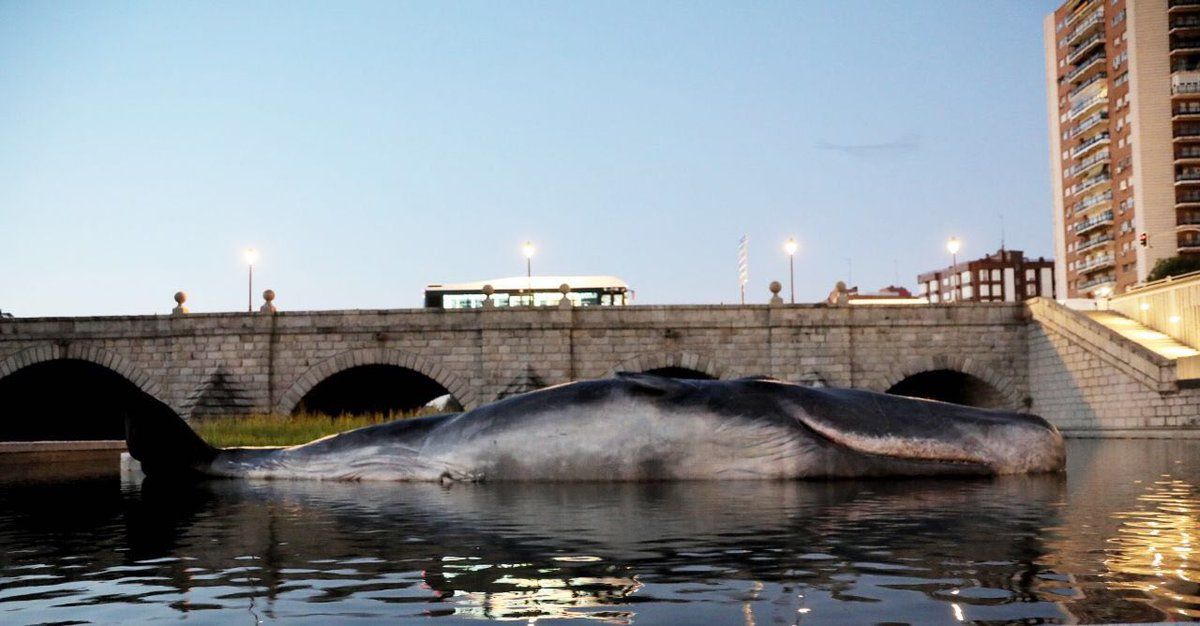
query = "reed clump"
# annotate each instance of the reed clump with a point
(287, 430)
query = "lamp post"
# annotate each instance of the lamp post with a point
(251, 255)
(953, 247)
(790, 248)
(527, 249)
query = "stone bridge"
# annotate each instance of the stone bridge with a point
(1037, 356)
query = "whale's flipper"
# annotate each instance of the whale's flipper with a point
(163, 443)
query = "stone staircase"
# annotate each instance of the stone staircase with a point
(1153, 340)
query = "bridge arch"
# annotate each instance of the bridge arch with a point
(99, 356)
(670, 362)
(953, 378)
(368, 357)
(68, 392)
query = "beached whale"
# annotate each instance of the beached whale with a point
(641, 427)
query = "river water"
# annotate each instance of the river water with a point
(1111, 541)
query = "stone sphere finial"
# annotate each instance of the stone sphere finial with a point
(775, 289)
(180, 298)
(269, 305)
(488, 290)
(841, 285)
(564, 288)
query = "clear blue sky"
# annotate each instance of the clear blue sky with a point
(370, 148)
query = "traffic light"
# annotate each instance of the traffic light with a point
(1143, 240)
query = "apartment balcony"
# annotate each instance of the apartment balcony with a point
(1099, 158)
(1092, 244)
(1096, 283)
(1081, 11)
(1094, 223)
(1187, 179)
(1087, 45)
(1096, 264)
(1089, 144)
(1091, 202)
(1090, 123)
(1174, 6)
(1183, 46)
(1090, 183)
(1085, 66)
(1097, 100)
(1097, 79)
(1183, 82)
(1188, 199)
(1087, 26)
(1188, 242)
(1183, 23)
(1187, 132)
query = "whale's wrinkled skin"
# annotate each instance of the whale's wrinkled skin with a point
(638, 427)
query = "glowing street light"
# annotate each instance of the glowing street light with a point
(790, 248)
(527, 249)
(251, 256)
(953, 246)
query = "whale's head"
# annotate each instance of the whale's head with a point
(876, 425)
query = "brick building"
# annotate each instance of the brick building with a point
(1006, 276)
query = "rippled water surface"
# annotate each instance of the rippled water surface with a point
(1111, 541)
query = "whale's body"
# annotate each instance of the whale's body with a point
(643, 427)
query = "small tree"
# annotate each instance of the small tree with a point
(1175, 266)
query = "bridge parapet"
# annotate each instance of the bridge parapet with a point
(265, 361)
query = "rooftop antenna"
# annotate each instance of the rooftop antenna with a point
(1002, 234)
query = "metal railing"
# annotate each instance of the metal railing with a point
(1087, 104)
(1085, 66)
(1088, 144)
(1095, 282)
(1089, 183)
(1088, 224)
(1090, 202)
(1103, 260)
(1092, 243)
(1084, 46)
(1087, 163)
(1088, 83)
(1087, 124)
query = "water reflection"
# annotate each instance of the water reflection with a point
(1095, 546)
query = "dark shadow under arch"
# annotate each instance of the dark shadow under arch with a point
(951, 386)
(680, 372)
(368, 389)
(69, 399)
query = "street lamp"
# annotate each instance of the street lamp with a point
(953, 246)
(527, 249)
(251, 255)
(790, 248)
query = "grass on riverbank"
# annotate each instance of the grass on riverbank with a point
(287, 430)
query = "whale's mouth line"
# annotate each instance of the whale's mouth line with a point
(825, 433)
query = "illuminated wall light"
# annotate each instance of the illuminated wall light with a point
(1145, 306)
(1174, 319)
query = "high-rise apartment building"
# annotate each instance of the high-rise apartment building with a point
(1123, 92)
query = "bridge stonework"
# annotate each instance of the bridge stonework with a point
(267, 362)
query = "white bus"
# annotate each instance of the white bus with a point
(536, 290)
